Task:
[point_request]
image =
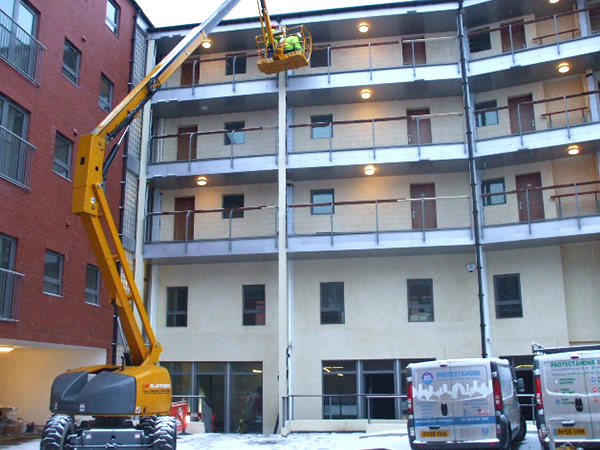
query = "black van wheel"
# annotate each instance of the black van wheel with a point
(505, 438)
(522, 430)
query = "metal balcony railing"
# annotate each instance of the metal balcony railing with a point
(19, 48)
(10, 292)
(15, 158)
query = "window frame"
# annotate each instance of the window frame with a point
(58, 282)
(489, 118)
(64, 165)
(339, 308)
(321, 132)
(500, 303)
(419, 283)
(239, 138)
(106, 107)
(252, 316)
(71, 74)
(240, 63)
(92, 293)
(175, 313)
(322, 210)
(113, 22)
(481, 41)
(485, 189)
(233, 214)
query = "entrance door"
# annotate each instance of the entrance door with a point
(183, 144)
(380, 383)
(213, 388)
(423, 212)
(517, 30)
(184, 204)
(528, 200)
(419, 131)
(410, 46)
(524, 112)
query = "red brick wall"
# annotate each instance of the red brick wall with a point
(40, 218)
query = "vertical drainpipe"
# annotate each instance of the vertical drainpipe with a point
(483, 307)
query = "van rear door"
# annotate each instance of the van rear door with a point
(566, 396)
(432, 403)
(473, 401)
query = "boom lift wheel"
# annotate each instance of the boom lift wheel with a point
(147, 425)
(56, 432)
(165, 433)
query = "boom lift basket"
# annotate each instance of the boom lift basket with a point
(277, 60)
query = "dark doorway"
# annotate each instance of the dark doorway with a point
(424, 211)
(380, 383)
(516, 30)
(530, 200)
(186, 149)
(519, 108)
(184, 204)
(213, 388)
(419, 130)
(410, 48)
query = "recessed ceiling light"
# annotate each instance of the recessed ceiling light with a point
(201, 181)
(573, 150)
(369, 170)
(564, 67)
(365, 94)
(6, 349)
(206, 43)
(553, 1)
(363, 27)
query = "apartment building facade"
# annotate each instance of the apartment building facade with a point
(309, 234)
(63, 66)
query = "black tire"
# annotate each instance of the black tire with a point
(56, 432)
(522, 430)
(506, 437)
(147, 425)
(165, 433)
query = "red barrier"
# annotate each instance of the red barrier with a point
(179, 410)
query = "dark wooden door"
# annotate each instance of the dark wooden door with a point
(524, 112)
(419, 131)
(183, 143)
(190, 73)
(423, 211)
(419, 52)
(527, 199)
(184, 204)
(517, 29)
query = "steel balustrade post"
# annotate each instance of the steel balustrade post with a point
(567, 116)
(512, 45)
(329, 64)
(230, 228)
(559, 208)
(330, 406)
(577, 206)
(194, 66)
(370, 64)
(423, 217)
(597, 202)
(520, 124)
(373, 138)
(190, 152)
(528, 209)
(331, 142)
(233, 79)
(331, 223)
(377, 220)
(187, 230)
(419, 136)
(557, 34)
(231, 142)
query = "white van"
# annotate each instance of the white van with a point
(463, 403)
(567, 385)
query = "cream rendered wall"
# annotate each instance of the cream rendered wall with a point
(582, 290)
(509, 212)
(376, 315)
(565, 23)
(496, 37)
(566, 86)
(27, 374)
(577, 170)
(212, 225)
(213, 146)
(543, 300)
(215, 332)
(392, 216)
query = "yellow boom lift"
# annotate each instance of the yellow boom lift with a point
(139, 388)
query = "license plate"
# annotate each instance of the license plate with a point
(435, 434)
(571, 431)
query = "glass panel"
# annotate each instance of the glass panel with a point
(322, 131)
(339, 388)
(92, 277)
(7, 6)
(62, 157)
(106, 89)
(254, 305)
(211, 367)
(26, 19)
(246, 403)
(420, 300)
(332, 303)
(16, 121)
(325, 196)
(6, 252)
(70, 62)
(378, 365)
(213, 388)
(52, 268)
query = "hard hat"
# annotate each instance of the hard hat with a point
(273, 26)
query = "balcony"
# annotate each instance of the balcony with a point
(20, 49)
(10, 288)
(15, 158)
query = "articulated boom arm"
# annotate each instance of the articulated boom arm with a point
(89, 200)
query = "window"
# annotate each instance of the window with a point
(254, 304)
(492, 187)
(53, 273)
(9, 279)
(319, 57)
(420, 300)
(322, 196)
(71, 62)
(507, 289)
(106, 94)
(235, 64)
(15, 151)
(235, 137)
(340, 387)
(92, 285)
(63, 151)
(177, 302)
(230, 202)
(486, 118)
(332, 303)
(17, 44)
(112, 16)
(479, 40)
(322, 131)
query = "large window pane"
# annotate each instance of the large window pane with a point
(71, 61)
(63, 149)
(508, 296)
(246, 398)
(322, 196)
(53, 273)
(420, 300)
(254, 310)
(177, 303)
(339, 390)
(92, 285)
(332, 303)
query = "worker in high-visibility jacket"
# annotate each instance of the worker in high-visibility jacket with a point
(292, 43)
(270, 49)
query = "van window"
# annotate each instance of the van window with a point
(506, 381)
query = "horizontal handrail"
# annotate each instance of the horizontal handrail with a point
(535, 102)
(553, 113)
(15, 24)
(574, 195)
(12, 272)
(213, 210)
(373, 202)
(542, 188)
(213, 132)
(16, 136)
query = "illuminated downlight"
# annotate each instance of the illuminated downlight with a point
(363, 27)
(573, 150)
(365, 94)
(564, 67)
(369, 170)
(206, 43)
(201, 181)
